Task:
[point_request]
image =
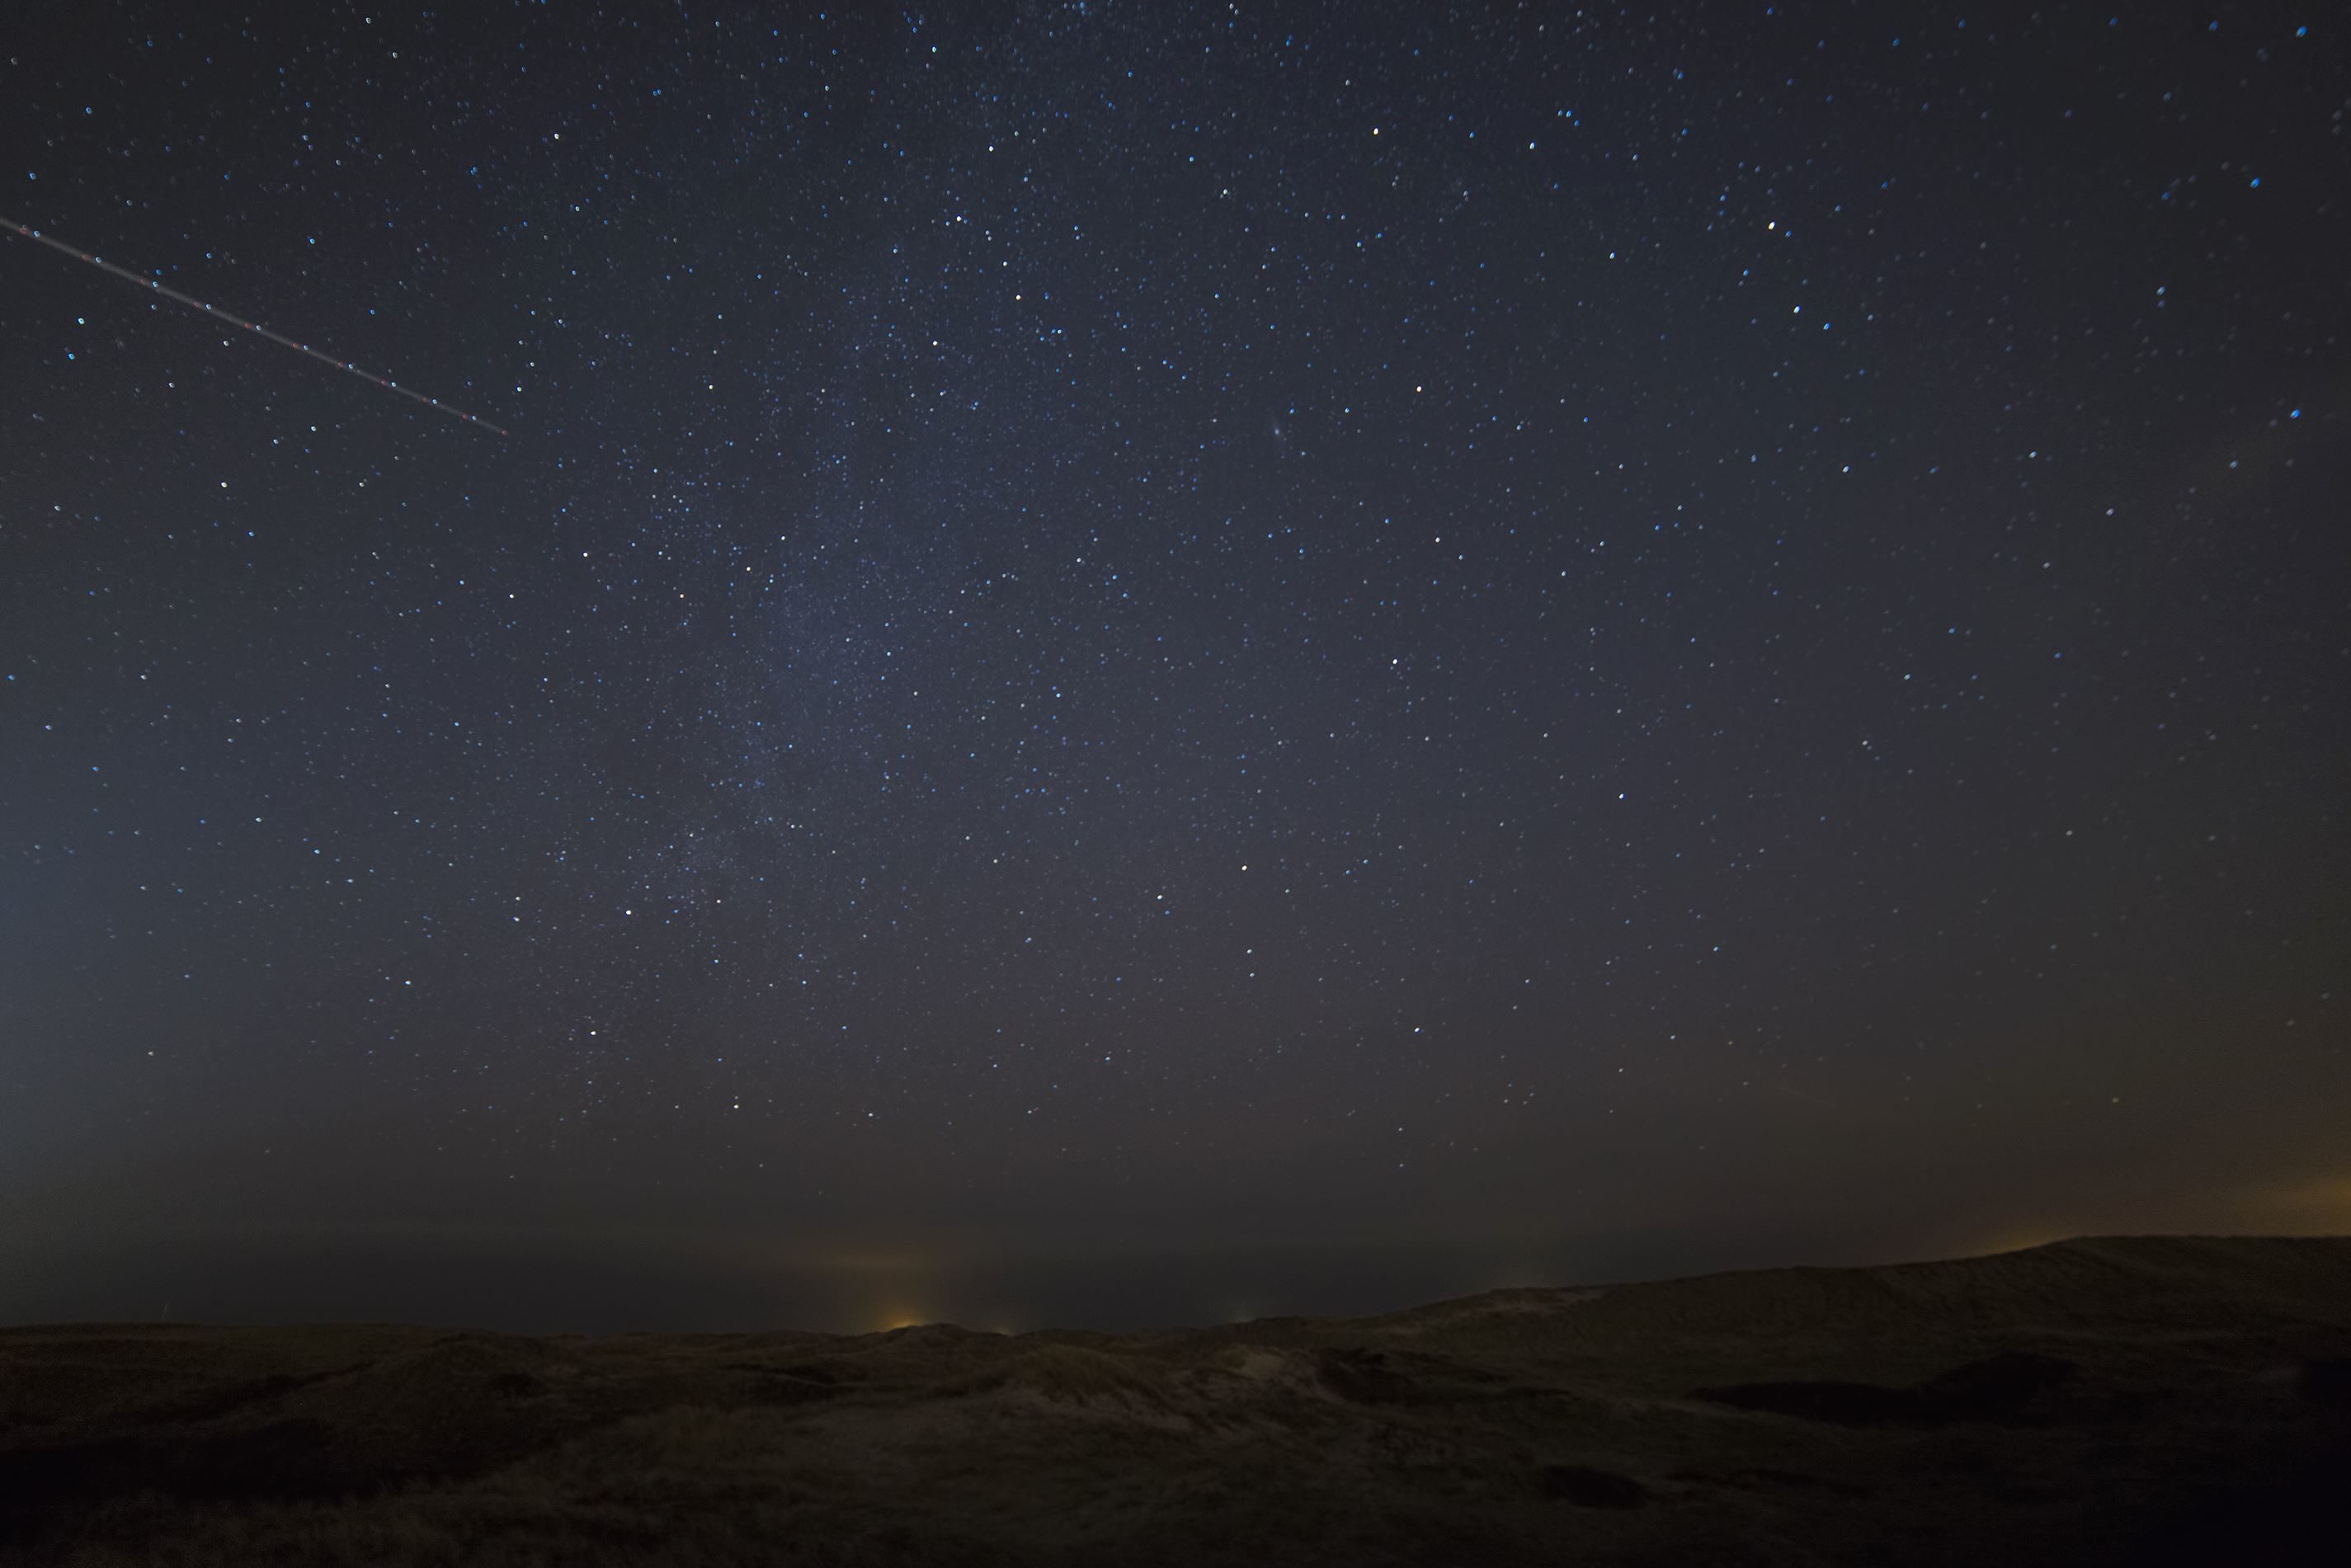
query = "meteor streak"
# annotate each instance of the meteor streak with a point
(254, 327)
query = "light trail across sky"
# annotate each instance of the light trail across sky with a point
(254, 327)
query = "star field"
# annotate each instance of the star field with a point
(1108, 628)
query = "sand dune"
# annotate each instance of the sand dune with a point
(2123, 1400)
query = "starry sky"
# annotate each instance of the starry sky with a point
(1134, 662)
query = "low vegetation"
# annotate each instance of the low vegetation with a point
(2157, 1399)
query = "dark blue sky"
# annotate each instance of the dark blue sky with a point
(1518, 641)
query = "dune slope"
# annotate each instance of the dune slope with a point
(2115, 1400)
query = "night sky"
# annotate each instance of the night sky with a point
(1133, 663)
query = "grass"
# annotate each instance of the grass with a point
(2158, 1399)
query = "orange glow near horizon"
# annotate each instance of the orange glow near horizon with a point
(2320, 1206)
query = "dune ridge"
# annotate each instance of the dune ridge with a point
(2103, 1399)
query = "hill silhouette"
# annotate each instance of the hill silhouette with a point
(2112, 1400)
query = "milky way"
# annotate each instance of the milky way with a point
(1601, 641)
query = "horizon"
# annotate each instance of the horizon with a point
(856, 1296)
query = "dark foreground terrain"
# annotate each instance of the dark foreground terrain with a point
(2168, 1400)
